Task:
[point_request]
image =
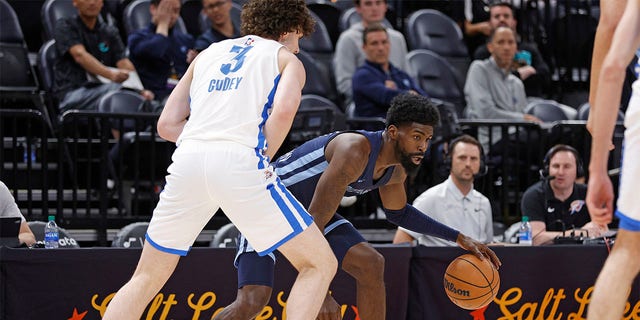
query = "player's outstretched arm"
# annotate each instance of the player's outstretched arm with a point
(176, 110)
(625, 42)
(285, 101)
(399, 212)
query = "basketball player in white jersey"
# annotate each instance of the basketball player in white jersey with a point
(614, 282)
(229, 115)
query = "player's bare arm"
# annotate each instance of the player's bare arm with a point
(393, 195)
(347, 155)
(600, 191)
(176, 110)
(285, 101)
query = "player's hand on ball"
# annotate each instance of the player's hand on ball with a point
(478, 249)
(330, 309)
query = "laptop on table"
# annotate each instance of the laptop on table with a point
(9, 230)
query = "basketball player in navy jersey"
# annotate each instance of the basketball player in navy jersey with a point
(229, 114)
(622, 265)
(320, 172)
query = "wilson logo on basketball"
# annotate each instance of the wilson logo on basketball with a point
(452, 288)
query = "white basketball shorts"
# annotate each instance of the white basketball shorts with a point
(628, 205)
(205, 176)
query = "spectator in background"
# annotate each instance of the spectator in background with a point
(557, 202)
(528, 64)
(349, 55)
(87, 46)
(378, 81)
(475, 24)
(222, 27)
(454, 202)
(9, 208)
(159, 51)
(491, 90)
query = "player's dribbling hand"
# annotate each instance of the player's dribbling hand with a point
(478, 249)
(330, 309)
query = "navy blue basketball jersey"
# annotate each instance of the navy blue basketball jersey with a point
(301, 168)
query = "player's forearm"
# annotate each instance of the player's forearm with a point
(275, 131)
(414, 220)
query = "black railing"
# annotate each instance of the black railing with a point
(91, 180)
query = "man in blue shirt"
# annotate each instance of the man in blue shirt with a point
(378, 81)
(159, 51)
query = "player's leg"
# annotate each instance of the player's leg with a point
(364, 263)
(153, 270)
(310, 254)
(255, 282)
(272, 219)
(250, 300)
(615, 280)
(184, 208)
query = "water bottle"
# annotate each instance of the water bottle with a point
(51, 235)
(524, 233)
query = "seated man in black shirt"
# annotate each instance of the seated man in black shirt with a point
(557, 202)
(88, 46)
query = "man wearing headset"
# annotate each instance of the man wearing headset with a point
(557, 202)
(454, 202)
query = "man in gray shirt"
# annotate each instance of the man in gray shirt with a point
(454, 202)
(491, 90)
(349, 54)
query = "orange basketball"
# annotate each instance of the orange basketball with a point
(471, 283)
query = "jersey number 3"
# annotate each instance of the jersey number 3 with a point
(237, 61)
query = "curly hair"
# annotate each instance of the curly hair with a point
(407, 108)
(272, 18)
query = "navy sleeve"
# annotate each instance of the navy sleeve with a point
(414, 220)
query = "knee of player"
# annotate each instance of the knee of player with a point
(368, 265)
(373, 264)
(327, 264)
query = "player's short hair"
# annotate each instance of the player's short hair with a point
(407, 108)
(272, 18)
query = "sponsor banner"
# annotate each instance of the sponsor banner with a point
(78, 284)
(550, 282)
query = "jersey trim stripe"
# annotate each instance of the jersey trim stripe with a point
(262, 141)
(167, 250)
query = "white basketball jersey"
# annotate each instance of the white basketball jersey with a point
(234, 82)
